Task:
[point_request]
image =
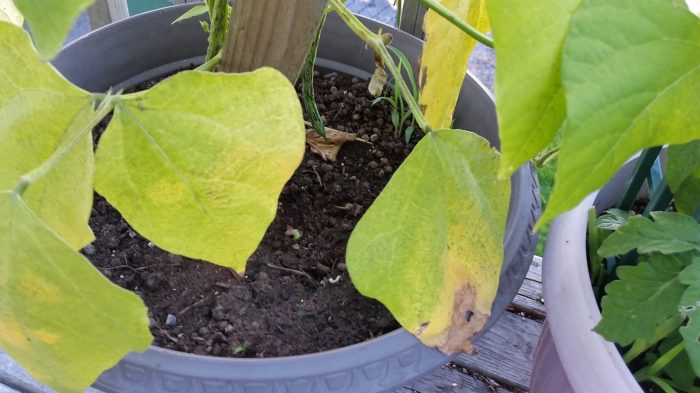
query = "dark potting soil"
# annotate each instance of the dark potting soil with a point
(296, 296)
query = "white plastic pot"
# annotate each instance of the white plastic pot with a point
(571, 357)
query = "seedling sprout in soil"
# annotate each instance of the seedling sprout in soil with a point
(429, 248)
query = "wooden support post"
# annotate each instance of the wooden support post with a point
(412, 19)
(104, 12)
(273, 33)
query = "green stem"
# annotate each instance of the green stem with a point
(660, 363)
(663, 384)
(639, 175)
(307, 83)
(458, 22)
(375, 42)
(210, 64)
(663, 330)
(31, 177)
(218, 15)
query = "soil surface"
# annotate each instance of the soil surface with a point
(296, 296)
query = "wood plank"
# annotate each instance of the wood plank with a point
(271, 33)
(451, 378)
(535, 271)
(505, 352)
(412, 18)
(529, 299)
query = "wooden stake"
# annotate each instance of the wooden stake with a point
(273, 33)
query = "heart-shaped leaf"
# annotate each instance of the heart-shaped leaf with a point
(417, 249)
(196, 164)
(631, 75)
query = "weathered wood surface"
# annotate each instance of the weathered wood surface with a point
(271, 33)
(505, 353)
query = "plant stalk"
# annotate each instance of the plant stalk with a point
(663, 330)
(639, 175)
(31, 177)
(375, 42)
(218, 15)
(210, 64)
(458, 22)
(660, 363)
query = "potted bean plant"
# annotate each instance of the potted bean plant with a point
(606, 78)
(204, 172)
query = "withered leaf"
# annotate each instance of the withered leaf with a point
(328, 148)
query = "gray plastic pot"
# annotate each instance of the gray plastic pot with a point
(571, 357)
(147, 46)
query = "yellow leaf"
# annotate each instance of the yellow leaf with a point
(445, 56)
(430, 247)
(196, 164)
(9, 13)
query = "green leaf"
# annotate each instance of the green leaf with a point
(50, 21)
(40, 110)
(680, 370)
(215, 148)
(416, 250)
(683, 175)
(668, 233)
(192, 13)
(613, 219)
(9, 13)
(528, 36)
(59, 317)
(441, 75)
(644, 297)
(690, 306)
(630, 74)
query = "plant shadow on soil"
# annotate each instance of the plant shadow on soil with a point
(296, 296)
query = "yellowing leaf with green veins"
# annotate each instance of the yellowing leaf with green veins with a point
(631, 83)
(50, 21)
(9, 13)
(431, 246)
(39, 110)
(60, 318)
(445, 56)
(528, 36)
(196, 164)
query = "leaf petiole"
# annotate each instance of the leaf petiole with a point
(458, 22)
(106, 105)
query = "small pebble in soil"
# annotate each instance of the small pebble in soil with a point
(170, 320)
(90, 250)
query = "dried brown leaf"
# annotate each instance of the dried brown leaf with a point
(328, 148)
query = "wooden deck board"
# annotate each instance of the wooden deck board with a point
(505, 353)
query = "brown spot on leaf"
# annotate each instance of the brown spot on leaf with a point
(467, 321)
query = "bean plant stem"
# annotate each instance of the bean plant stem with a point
(218, 14)
(31, 177)
(375, 42)
(211, 63)
(458, 22)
